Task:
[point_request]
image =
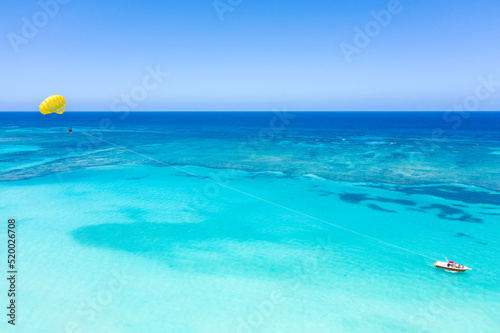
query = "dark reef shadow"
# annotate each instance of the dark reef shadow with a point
(449, 192)
(452, 214)
(209, 244)
(323, 193)
(357, 198)
(353, 198)
(375, 207)
(460, 235)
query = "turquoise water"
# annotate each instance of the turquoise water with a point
(110, 241)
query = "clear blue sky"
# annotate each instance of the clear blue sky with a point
(263, 55)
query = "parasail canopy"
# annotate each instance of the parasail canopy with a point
(53, 104)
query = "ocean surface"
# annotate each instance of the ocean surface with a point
(252, 222)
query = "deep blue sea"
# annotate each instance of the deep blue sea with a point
(253, 222)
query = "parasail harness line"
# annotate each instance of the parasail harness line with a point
(259, 198)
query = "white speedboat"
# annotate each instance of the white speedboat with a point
(451, 266)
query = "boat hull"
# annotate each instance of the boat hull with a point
(444, 265)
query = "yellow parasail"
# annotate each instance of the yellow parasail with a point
(55, 103)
